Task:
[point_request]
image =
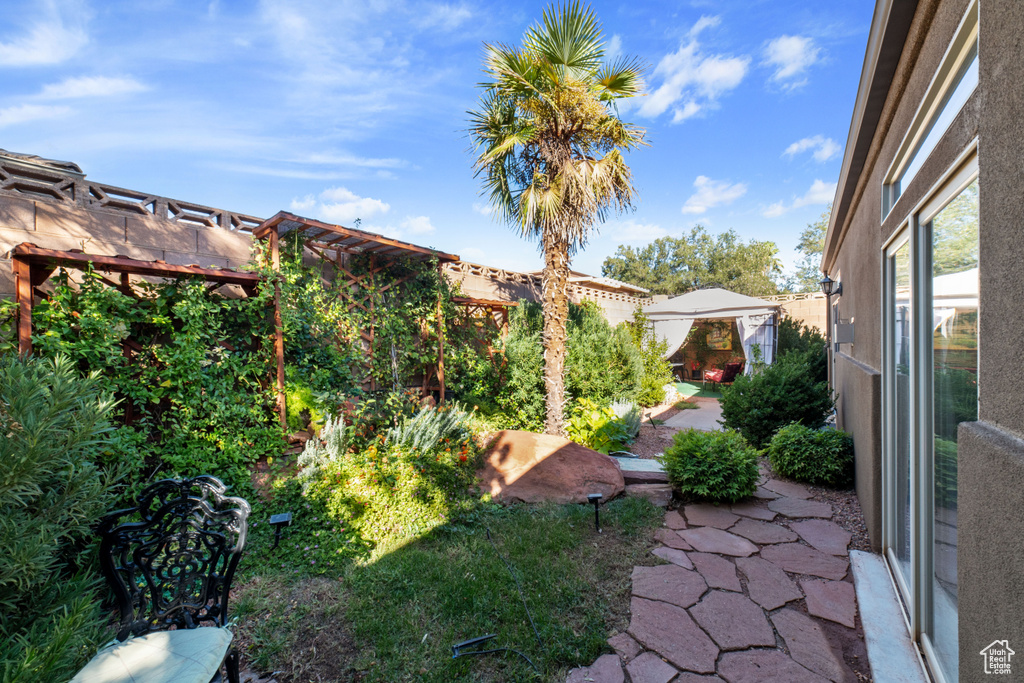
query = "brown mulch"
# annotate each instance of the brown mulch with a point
(653, 439)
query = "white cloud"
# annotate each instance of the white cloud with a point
(54, 35)
(473, 254)
(824, 148)
(25, 113)
(613, 49)
(483, 209)
(791, 56)
(711, 193)
(340, 205)
(632, 231)
(418, 225)
(90, 86)
(350, 160)
(445, 17)
(692, 81)
(819, 193)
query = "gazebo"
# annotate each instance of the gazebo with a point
(756, 319)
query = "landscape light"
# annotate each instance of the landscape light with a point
(595, 498)
(280, 521)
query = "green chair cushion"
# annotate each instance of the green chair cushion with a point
(180, 656)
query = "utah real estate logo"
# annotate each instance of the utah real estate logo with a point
(997, 657)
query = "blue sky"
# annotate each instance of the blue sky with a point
(337, 110)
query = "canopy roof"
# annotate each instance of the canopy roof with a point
(710, 303)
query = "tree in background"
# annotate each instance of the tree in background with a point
(811, 246)
(551, 154)
(676, 265)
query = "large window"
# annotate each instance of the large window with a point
(930, 387)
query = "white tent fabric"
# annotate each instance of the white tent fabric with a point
(755, 318)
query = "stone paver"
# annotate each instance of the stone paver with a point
(717, 571)
(711, 540)
(704, 616)
(761, 666)
(650, 668)
(808, 645)
(825, 535)
(799, 559)
(669, 631)
(674, 556)
(668, 583)
(753, 510)
(832, 600)
(674, 520)
(767, 584)
(625, 646)
(763, 533)
(733, 621)
(660, 495)
(706, 514)
(787, 488)
(607, 669)
(672, 539)
(796, 507)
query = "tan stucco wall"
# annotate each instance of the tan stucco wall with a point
(808, 310)
(64, 226)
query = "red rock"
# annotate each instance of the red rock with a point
(799, 559)
(625, 646)
(753, 510)
(826, 536)
(832, 600)
(767, 584)
(710, 540)
(717, 571)
(649, 668)
(668, 583)
(607, 669)
(787, 488)
(671, 539)
(808, 645)
(687, 677)
(796, 507)
(733, 621)
(660, 495)
(762, 532)
(644, 477)
(534, 468)
(674, 520)
(676, 557)
(761, 666)
(669, 631)
(706, 514)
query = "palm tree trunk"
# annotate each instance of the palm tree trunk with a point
(555, 299)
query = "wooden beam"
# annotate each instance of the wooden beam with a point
(275, 256)
(23, 291)
(440, 335)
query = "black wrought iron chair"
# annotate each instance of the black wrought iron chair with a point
(169, 561)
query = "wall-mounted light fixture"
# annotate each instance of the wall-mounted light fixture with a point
(830, 287)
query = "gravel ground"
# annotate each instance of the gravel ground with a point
(652, 440)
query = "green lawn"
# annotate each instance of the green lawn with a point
(691, 389)
(395, 618)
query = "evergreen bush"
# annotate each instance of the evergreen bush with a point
(657, 372)
(787, 391)
(52, 491)
(629, 414)
(815, 456)
(715, 466)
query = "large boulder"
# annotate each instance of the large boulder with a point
(533, 468)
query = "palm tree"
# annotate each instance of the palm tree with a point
(550, 146)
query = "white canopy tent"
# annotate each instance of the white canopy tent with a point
(755, 319)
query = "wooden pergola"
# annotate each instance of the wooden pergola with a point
(34, 265)
(332, 243)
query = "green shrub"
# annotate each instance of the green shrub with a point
(816, 456)
(54, 431)
(717, 466)
(431, 425)
(657, 372)
(630, 415)
(598, 428)
(759, 405)
(794, 337)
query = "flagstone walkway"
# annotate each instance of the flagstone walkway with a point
(759, 591)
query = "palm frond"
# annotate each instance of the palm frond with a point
(623, 78)
(568, 36)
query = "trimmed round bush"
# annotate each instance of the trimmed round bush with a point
(759, 405)
(815, 456)
(716, 466)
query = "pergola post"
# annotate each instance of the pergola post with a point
(23, 290)
(275, 260)
(440, 334)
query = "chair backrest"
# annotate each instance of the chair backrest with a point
(170, 559)
(732, 370)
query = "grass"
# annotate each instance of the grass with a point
(692, 389)
(685, 405)
(395, 618)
